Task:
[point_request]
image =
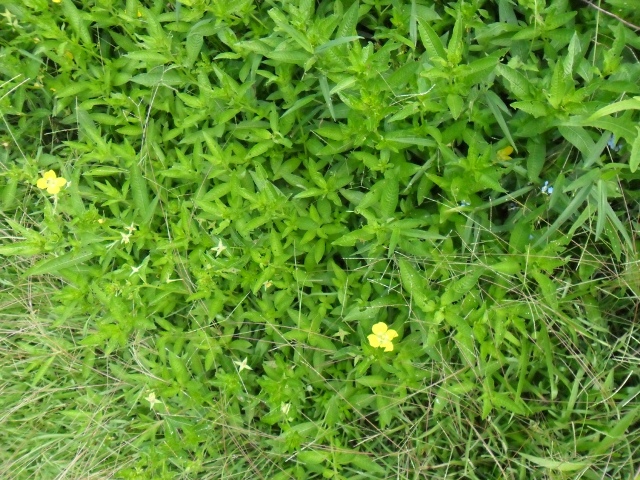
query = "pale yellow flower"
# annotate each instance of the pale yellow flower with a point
(56, 1)
(51, 182)
(382, 337)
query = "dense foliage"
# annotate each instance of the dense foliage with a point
(207, 205)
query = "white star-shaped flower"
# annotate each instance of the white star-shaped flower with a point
(151, 398)
(242, 365)
(219, 249)
(126, 237)
(341, 333)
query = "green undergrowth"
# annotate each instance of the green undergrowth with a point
(249, 187)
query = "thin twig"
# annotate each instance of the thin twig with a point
(622, 20)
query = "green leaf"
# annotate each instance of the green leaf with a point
(72, 14)
(178, 368)
(367, 463)
(26, 249)
(193, 46)
(544, 343)
(570, 210)
(634, 159)
(139, 191)
(579, 138)
(535, 109)
(573, 55)
(324, 87)
(411, 279)
(371, 381)
(389, 198)
(617, 432)
(54, 265)
(454, 49)
(431, 41)
(633, 103)
(455, 104)
(497, 106)
(516, 82)
(349, 21)
(536, 158)
(312, 457)
(334, 43)
(159, 77)
(561, 466)
(281, 21)
(350, 239)
(296, 57)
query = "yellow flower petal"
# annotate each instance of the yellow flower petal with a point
(391, 334)
(50, 175)
(53, 189)
(60, 181)
(388, 347)
(42, 183)
(379, 328)
(504, 153)
(374, 341)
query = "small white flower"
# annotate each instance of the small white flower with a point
(341, 333)
(131, 228)
(242, 365)
(219, 249)
(151, 398)
(284, 408)
(126, 238)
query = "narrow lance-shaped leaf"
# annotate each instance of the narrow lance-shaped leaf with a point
(413, 24)
(324, 87)
(579, 138)
(431, 41)
(634, 160)
(139, 189)
(572, 55)
(559, 86)
(281, 21)
(349, 21)
(389, 198)
(571, 209)
(544, 342)
(336, 42)
(517, 83)
(454, 49)
(633, 103)
(54, 265)
(497, 106)
(72, 14)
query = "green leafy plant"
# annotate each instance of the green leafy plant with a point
(333, 239)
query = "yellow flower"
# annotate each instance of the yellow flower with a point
(504, 154)
(51, 182)
(56, 1)
(382, 337)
